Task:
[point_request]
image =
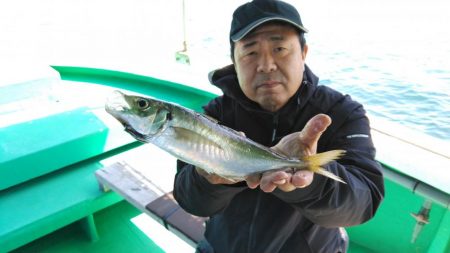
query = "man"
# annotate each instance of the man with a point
(271, 95)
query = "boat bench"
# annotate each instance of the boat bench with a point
(42, 205)
(47, 176)
(147, 196)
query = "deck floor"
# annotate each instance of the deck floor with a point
(117, 234)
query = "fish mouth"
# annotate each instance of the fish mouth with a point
(138, 136)
(116, 102)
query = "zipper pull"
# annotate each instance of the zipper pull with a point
(274, 130)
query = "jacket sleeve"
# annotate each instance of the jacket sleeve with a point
(333, 204)
(193, 192)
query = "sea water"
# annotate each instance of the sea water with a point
(392, 56)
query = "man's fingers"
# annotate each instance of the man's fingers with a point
(287, 187)
(302, 178)
(314, 128)
(316, 125)
(280, 182)
(270, 181)
(253, 180)
(285, 181)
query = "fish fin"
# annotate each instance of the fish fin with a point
(215, 121)
(210, 118)
(316, 161)
(233, 179)
(222, 126)
(328, 174)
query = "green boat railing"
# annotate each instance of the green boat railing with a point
(170, 91)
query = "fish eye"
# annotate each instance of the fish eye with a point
(142, 103)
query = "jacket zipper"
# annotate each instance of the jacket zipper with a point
(274, 128)
(258, 197)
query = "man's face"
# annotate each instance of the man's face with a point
(269, 63)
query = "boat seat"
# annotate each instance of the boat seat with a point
(151, 199)
(47, 168)
(38, 142)
(47, 203)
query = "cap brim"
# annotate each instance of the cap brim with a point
(241, 34)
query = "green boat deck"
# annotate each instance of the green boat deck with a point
(50, 200)
(117, 233)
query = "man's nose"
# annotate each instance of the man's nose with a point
(266, 63)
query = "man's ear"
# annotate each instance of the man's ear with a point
(304, 51)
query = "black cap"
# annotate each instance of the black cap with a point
(250, 15)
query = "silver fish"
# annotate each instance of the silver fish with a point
(203, 142)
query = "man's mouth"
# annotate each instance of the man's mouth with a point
(268, 84)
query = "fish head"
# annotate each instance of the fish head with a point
(142, 117)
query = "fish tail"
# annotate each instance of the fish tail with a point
(315, 163)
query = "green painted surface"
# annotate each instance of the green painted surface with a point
(392, 228)
(26, 91)
(117, 234)
(44, 204)
(37, 147)
(441, 242)
(356, 248)
(169, 91)
(89, 228)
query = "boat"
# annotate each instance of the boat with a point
(71, 180)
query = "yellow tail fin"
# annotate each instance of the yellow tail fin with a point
(316, 161)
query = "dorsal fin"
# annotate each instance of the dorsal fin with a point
(210, 118)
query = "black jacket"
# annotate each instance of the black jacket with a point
(304, 220)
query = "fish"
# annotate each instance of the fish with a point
(202, 141)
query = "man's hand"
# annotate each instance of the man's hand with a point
(293, 145)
